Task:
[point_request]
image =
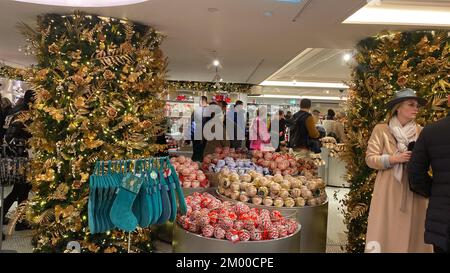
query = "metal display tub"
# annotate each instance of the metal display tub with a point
(313, 219)
(188, 242)
(213, 179)
(336, 173)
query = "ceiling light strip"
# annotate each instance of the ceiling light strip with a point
(306, 84)
(417, 15)
(275, 96)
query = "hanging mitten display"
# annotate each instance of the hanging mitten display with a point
(125, 194)
(155, 194)
(121, 212)
(164, 192)
(172, 188)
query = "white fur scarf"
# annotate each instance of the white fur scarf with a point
(404, 135)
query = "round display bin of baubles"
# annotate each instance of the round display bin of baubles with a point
(313, 219)
(165, 231)
(188, 242)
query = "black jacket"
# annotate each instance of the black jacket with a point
(15, 130)
(433, 149)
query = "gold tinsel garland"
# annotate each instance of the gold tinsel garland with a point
(384, 64)
(98, 84)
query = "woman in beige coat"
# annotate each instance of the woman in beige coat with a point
(397, 215)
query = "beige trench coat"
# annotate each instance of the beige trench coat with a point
(397, 215)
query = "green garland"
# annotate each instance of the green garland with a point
(389, 62)
(10, 72)
(209, 86)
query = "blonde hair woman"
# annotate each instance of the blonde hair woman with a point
(397, 215)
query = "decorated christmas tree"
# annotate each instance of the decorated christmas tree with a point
(98, 83)
(384, 64)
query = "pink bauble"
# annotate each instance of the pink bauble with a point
(193, 228)
(208, 231)
(244, 235)
(283, 231)
(192, 176)
(219, 233)
(232, 235)
(207, 160)
(181, 159)
(256, 235)
(273, 165)
(186, 172)
(268, 156)
(218, 150)
(195, 184)
(273, 233)
(238, 225)
(201, 177)
(187, 184)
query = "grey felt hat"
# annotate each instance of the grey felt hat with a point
(405, 94)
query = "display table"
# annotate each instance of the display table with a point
(188, 242)
(313, 219)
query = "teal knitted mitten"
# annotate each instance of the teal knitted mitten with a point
(121, 212)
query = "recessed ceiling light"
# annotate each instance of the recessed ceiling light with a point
(83, 3)
(306, 84)
(302, 97)
(268, 13)
(347, 57)
(385, 13)
(213, 9)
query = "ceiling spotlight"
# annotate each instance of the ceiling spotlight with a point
(268, 13)
(216, 63)
(213, 10)
(347, 57)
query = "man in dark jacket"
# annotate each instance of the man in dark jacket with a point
(303, 132)
(198, 120)
(433, 149)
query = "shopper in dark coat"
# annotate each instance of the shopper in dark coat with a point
(433, 149)
(16, 136)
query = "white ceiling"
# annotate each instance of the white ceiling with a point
(250, 46)
(316, 65)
